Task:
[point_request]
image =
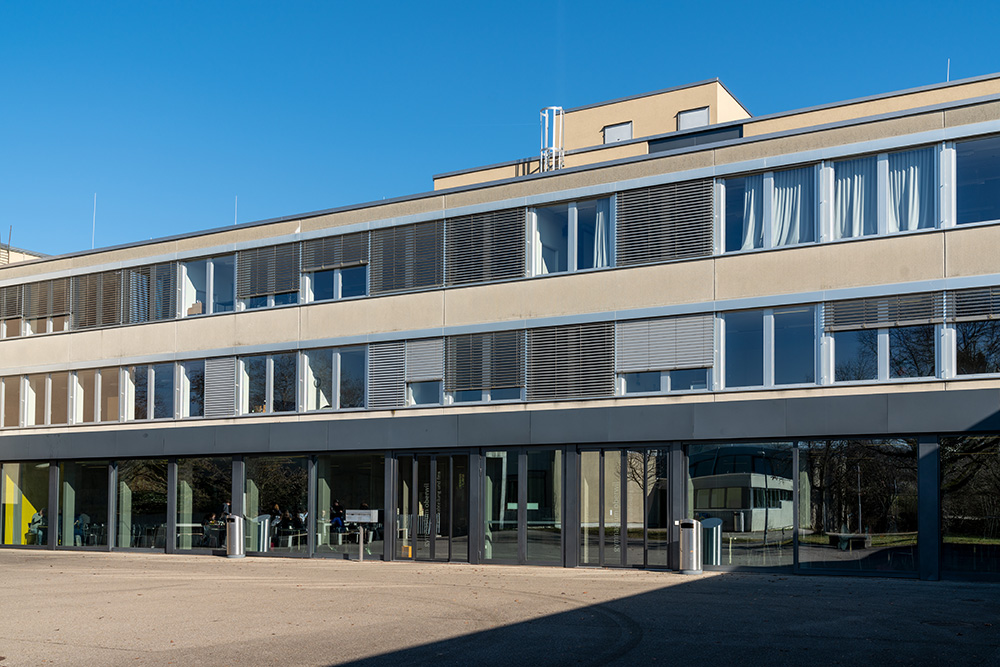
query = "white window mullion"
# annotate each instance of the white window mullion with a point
(269, 385)
(768, 209)
(571, 259)
(827, 351)
(180, 384)
(720, 358)
(946, 192)
(209, 286)
(768, 348)
(47, 397)
(946, 350)
(882, 194)
(883, 355)
(826, 202)
(718, 218)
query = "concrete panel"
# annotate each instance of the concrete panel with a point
(831, 266)
(158, 338)
(972, 251)
(28, 351)
(652, 423)
(429, 431)
(496, 429)
(267, 325)
(209, 333)
(568, 426)
(80, 445)
(847, 415)
(828, 138)
(608, 153)
(739, 419)
(238, 235)
(373, 212)
(146, 442)
(976, 113)
(193, 440)
(237, 438)
(299, 437)
(944, 411)
(359, 434)
(423, 310)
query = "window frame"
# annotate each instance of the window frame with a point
(243, 388)
(768, 349)
(767, 208)
(209, 305)
(533, 249)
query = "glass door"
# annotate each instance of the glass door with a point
(523, 507)
(615, 498)
(433, 507)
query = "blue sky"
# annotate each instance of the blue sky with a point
(169, 110)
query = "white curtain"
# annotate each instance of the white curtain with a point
(753, 212)
(854, 198)
(792, 207)
(911, 190)
(601, 233)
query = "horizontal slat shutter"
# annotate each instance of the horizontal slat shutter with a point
(110, 312)
(268, 270)
(60, 297)
(484, 361)
(664, 344)
(485, 246)
(85, 290)
(220, 387)
(424, 359)
(891, 311)
(386, 384)
(664, 222)
(36, 299)
(974, 304)
(11, 301)
(334, 252)
(137, 294)
(164, 306)
(571, 362)
(406, 257)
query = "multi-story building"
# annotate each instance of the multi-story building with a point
(786, 323)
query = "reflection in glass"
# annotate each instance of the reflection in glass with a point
(163, 391)
(551, 239)
(977, 180)
(277, 504)
(500, 506)
(749, 488)
(978, 347)
(355, 482)
(35, 408)
(795, 346)
(353, 281)
(83, 504)
(142, 504)
(109, 394)
(319, 380)
(590, 508)
(204, 490)
(404, 510)
(24, 499)
(12, 401)
(612, 514)
(195, 288)
(86, 401)
(352, 377)
(658, 522)
(139, 376)
(970, 504)
(745, 349)
(284, 382)
(858, 505)
(856, 355)
(592, 223)
(224, 284)
(59, 398)
(194, 378)
(745, 213)
(254, 384)
(544, 508)
(635, 481)
(911, 351)
(323, 284)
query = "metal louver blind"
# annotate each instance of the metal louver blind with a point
(386, 383)
(671, 221)
(110, 312)
(220, 387)
(334, 252)
(10, 301)
(485, 246)
(665, 344)
(424, 359)
(164, 306)
(982, 303)
(890, 311)
(406, 257)
(571, 361)
(268, 270)
(60, 297)
(37, 299)
(97, 300)
(137, 294)
(484, 361)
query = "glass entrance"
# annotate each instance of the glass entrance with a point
(522, 511)
(433, 507)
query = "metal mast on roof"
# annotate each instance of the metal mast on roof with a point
(553, 150)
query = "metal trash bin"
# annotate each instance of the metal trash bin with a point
(690, 546)
(234, 537)
(263, 533)
(711, 544)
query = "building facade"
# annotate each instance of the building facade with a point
(785, 323)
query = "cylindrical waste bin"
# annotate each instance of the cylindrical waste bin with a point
(690, 546)
(263, 532)
(234, 537)
(711, 545)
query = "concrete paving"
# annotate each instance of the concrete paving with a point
(146, 609)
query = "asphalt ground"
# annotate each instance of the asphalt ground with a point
(152, 609)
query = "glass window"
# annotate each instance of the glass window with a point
(618, 132)
(977, 180)
(855, 198)
(194, 389)
(690, 379)
(911, 351)
(978, 347)
(24, 499)
(351, 482)
(636, 383)
(223, 284)
(254, 384)
(86, 397)
(319, 380)
(795, 346)
(285, 382)
(858, 505)
(353, 281)
(553, 248)
(352, 377)
(12, 328)
(692, 118)
(912, 186)
(745, 349)
(12, 401)
(109, 395)
(551, 239)
(469, 396)
(204, 493)
(745, 213)
(83, 504)
(195, 287)
(505, 394)
(425, 393)
(35, 399)
(793, 202)
(970, 486)
(286, 298)
(277, 504)
(163, 391)
(139, 376)
(323, 284)
(855, 355)
(592, 221)
(254, 302)
(142, 504)
(59, 398)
